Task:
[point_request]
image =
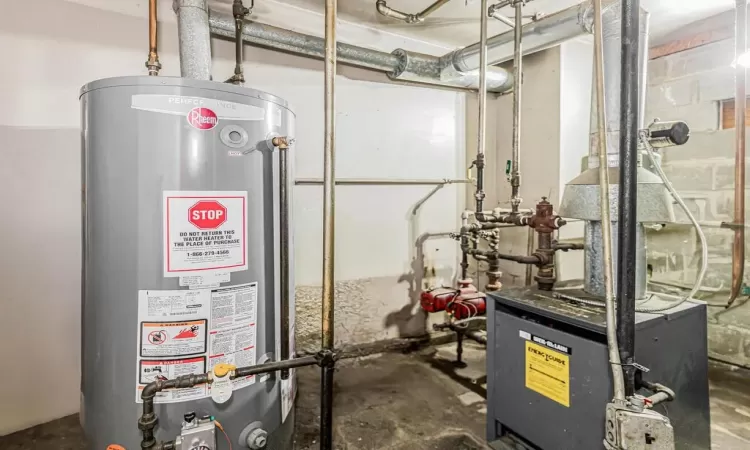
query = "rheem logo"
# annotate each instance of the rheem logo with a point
(207, 214)
(202, 118)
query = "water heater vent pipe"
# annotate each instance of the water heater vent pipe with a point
(194, 38)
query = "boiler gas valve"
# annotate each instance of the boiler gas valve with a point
(462, 303)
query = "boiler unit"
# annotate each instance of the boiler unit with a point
(183, 262)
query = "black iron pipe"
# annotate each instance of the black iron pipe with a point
(284, 254)
(523, 259)
(479, 193)
(239, 12)
(564, 246)
(275, 366)
(326, 407)
(474, 335)
(628, 201)
(148, 420)
(464, 258)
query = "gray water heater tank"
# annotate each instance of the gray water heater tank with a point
(181, 255)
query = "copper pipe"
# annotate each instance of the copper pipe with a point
(740, 103)
(152, 63)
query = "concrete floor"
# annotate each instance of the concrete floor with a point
(417, 402)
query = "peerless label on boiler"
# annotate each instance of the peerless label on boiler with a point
(205, 232)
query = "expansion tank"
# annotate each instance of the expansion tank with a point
(181, 254)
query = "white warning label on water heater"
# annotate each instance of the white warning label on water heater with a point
(205, 232)
(190, 331)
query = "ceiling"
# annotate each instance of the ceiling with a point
(456, 23)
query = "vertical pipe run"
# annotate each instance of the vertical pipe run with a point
(194, 38)
(284, 253)
(329, 213)
(529, 251)
(482, 133)
(239, 12)
(627, 220)
(152, 63)
(515, 178)
(740, 103)
(606, 222)
(326, 408)
(329, 177)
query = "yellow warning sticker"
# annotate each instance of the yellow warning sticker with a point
(548, 373)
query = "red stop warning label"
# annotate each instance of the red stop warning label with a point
(205, 232)
(207, 214)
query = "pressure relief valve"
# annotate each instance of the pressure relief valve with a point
(221, 387)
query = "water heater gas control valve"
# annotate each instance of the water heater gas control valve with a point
(197, 434)
(221, 387)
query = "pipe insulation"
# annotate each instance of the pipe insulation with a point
(400, 65)
(194, 38)
(547, 32)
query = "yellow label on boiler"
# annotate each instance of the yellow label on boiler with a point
(548, 373)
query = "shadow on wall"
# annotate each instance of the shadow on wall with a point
(674, 251)
(364, 310)
(411, 320)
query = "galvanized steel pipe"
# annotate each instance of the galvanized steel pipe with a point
(482, 132)
(380, 182)
(601, 121)
(329, 175)
(515, 175)
(400, 65)
(301, 44)
(194, 38)
(540, 35)
(329, 226)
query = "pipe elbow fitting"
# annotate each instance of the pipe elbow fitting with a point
(414, 18)
(382, 8)
(150, 390)
(387, 11)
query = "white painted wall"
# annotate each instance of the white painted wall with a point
(555, 121)
(384, 131)
(540, 149)
(576, 69)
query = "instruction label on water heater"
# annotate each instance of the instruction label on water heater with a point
(205, 232)
(190, 331)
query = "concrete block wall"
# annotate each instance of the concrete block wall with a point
(690, 86)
